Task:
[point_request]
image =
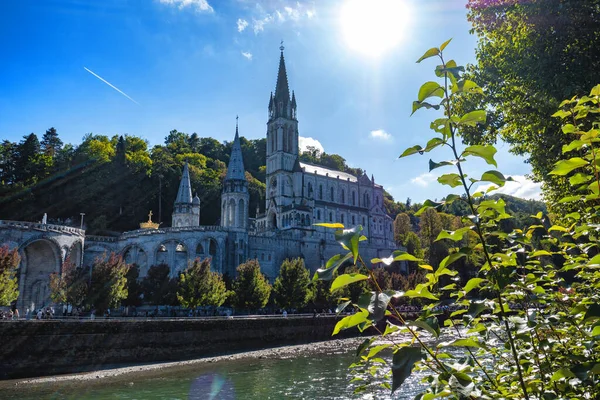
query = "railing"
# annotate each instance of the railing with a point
(41, 227)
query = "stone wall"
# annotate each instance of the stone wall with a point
(36, 348)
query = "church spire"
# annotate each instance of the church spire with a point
(184, 195)
(235, 169)
(282, 90)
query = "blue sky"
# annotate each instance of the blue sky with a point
(193, 65)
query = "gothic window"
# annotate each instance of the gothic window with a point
(318, 215)
(290, 141)
(331, 193)
(330, 217)
(353, 220)
(310, 190)
(262, 257)
(353, 198)
(320, 192)
(199, 250)
(343, 199)
(377, 199)
(241, 214)
(363, 221)
(269, 257)
(342, 218)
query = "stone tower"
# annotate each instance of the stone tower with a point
(282, 149)
(235, 197)
(187, 210)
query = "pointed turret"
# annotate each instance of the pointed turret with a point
(293, 100)
(187, 210)
(235, 169)
(184, 195)
(282, 90)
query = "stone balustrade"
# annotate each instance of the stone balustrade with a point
(6, 224)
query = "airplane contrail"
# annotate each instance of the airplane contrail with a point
(111, 85)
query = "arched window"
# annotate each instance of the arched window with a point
(320, 192)
(330, 217)
(318, 215)
(353, 198)
(353, 220)
(331, 193)
(343, 199)
(310, 190)
(342, 218)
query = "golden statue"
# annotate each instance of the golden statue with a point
(149, 224)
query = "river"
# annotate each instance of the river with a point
(320, 373)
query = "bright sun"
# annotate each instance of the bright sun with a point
(374, 26)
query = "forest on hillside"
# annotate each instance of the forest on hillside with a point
(117, 180)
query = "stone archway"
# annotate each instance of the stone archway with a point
(40, 258)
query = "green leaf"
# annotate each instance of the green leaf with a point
(433, 165)
(430, 324)
(403, 362)
(334, 225)
(434, 51)
(595, 91)
(376, 349)
(420, 104)
(466, 86)
(342, 306)
(540, 253)
(422, 292)
(495, 177)
(366, 343)
(346, 279)
(375, 304)
(476, 308)
(411, 151)
(563, 167)
(452, 180)
(569, 128)
(397, 255)
(473, 118)
(430, 89)
(453, 235)
(450, 258)
(473, 283)
(350, 321)
(326, 274)
(349, 239)
(592, 313)
(486, 152)
(467, 342)
(433, 143)
(443, 46)
(562, 373)
(428, 204)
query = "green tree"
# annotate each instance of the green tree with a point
(252, 290)
(431, 225)
(9, 285)
(51, 143)
(109, 283)
(134, 287)
(292, 287)
(530, 56)
(70, 285)
(158, 287)
(199, 286)
(402, 227)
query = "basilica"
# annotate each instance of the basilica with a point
(298, 196)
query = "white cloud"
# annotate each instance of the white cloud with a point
(241, 24)
(294, 12)
(424, 180)
(247, 54)
(258, 25)
(523, 187)
(380, 134)
(304, 142)
(199, 5)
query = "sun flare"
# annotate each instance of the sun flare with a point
(373, 27)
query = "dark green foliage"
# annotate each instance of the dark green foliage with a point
(251, 288)
(199, 286)
(108, 286)
(158, 287)
(134, 287)
(71, 286)
(9, 286)
(292, 289)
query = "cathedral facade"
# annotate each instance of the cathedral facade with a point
(298, 195)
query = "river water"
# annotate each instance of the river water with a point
(307, 375)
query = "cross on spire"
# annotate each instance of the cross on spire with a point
(281, 47)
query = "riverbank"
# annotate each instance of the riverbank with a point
(42, 348)
(324, 347)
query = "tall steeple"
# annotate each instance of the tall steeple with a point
(184, 195)
(235, 169)
(235, 198)
(282, 89)
(187, 210)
